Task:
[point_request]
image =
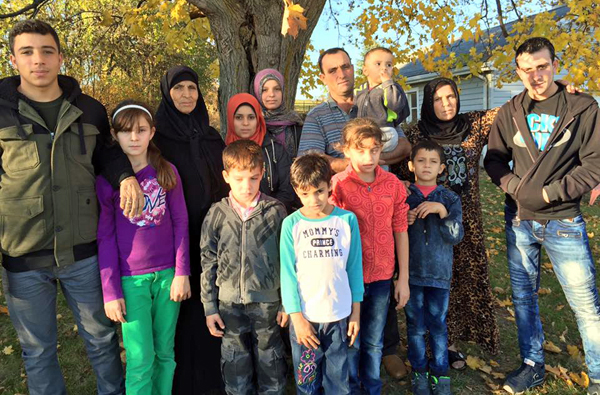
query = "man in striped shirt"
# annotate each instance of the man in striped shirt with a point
(323, 125)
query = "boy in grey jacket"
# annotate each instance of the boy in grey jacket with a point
(240, 276)
(382, 99)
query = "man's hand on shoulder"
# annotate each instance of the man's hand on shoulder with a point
(132, 197)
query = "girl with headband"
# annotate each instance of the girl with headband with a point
(144, 261)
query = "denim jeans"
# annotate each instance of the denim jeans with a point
(364, 356)
(31, 299)
(426, 310)
(324, 370)
(567, 245)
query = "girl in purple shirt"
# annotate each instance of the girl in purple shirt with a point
(144, 261)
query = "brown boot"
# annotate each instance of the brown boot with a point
(394, 366)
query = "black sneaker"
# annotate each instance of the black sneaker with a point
(440, 385)
(420, 383)
(529, 375)
(594, 389)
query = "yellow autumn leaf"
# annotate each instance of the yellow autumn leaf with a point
(486, 369)
(573, 351)
(551, 347)
(504, 303)
(474, 363)
(4, 310)
(560, 307)
(544, 291)
(7, 350)
(582, 380)
(107, 18)
(547, 266)
(293, 19)
(494, 363)
(590, 235)
(498, 375)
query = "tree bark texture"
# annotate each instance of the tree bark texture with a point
(248, 38)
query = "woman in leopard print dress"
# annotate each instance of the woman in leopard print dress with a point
(471, 312)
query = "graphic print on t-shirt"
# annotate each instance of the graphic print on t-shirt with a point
(155, 204)
(541, 126)
(322, 242)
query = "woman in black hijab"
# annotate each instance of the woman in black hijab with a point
(463, 136)
(185, 139)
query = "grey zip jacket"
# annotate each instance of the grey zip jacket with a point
(240, 259)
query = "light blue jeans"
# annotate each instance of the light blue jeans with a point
(31, 299)
(567, 245)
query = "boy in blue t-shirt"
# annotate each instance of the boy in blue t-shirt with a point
(435, 226)
(321, 280)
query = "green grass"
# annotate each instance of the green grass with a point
(557, 321)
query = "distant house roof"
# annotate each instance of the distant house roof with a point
(462, 47)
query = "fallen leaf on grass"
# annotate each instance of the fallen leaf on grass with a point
(497, 230)
(544, 291)
(547, 266)
(582, 380)
(75, 328)
(7, 350)
(494, 363)
(590, 235)
(510, 311)
(573, 351)
(4, 310)
(551, 347)
(474, 362)
(498, 375)
(562, 336)
(504, 303)
(560, 307)
(499, 290)
(58, 316)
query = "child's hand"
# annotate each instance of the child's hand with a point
(426, 208)
(385, 74)
(354, 323)
(180, 288)
(411, 216)
(282, 319)
(212, 321)
(115, 310)
(305, 333)
(401, 293)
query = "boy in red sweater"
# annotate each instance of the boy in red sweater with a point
(378, 199)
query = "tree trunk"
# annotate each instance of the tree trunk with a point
(248, 37)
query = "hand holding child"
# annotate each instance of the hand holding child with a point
(305, 333)
(282, 319)
(212, 321)
(426, 208)
(401, 293)
(115, 310)
(354, 323)
(180, 288)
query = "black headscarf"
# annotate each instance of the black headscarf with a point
(453, 131)
(449, 134)
(194, 131)
(172, 122)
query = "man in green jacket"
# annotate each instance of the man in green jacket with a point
(52, 144)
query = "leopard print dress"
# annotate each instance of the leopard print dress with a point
(471, 312)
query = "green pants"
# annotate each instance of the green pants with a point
(149, 333)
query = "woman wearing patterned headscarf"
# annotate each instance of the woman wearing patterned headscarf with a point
(463, 136)
(284, 125)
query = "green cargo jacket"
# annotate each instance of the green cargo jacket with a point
(47, 180)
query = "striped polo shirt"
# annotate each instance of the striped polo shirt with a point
(323, 128)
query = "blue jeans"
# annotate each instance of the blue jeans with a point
(567, 245)
(324, 370)
(365, 355)
(31, 299)
(426, 310)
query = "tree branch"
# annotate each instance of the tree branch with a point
(33, 6)
(501, 19)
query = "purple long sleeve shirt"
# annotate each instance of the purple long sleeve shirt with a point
(156, 240)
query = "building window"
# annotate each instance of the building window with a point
(413, 101)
